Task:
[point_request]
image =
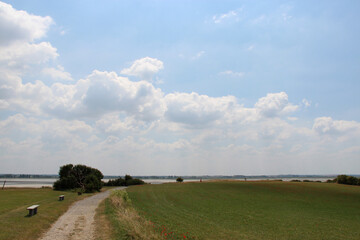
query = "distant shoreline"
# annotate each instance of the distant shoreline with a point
(48, 182)
(170, 177)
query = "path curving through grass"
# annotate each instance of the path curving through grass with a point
(78, 222)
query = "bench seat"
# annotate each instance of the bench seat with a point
(33, 209)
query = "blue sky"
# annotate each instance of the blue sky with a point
(192, 87)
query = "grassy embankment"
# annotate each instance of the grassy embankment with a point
(243, 210)
(14, 222)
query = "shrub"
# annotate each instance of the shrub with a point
(341, 179)
(128, 181)
(349, 180)
(295, 180)
(134, 181)
(115, 182)
(179, 179)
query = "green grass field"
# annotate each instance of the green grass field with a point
(14, 222)
(251, 210)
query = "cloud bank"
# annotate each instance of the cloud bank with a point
(119, 125)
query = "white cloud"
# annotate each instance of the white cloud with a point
(144, 68)
(232, 74)
(306, 103)
(18, 51)
(197, 110)
(231, 15)
(20, 56)
(57, 73)
(275, 104)
(21, 26)
(326, 125)
(105, 92)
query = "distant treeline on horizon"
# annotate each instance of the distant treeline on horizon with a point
(185, 177)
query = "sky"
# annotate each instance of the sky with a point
(180, 87)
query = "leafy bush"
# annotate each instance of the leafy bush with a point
(331, 180)
(349, 180)
(87, 179)
(134, 181)
(295, 180)
(115, 182)
(179, 179)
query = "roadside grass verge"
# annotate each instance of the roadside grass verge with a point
(251, 210)
(14, 220)
(103, 227)
(125, 221)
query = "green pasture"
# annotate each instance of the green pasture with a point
(14, 222)
(251, 210)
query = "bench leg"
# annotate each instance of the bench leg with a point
(32, 212)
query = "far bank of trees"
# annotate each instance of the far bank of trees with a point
(127, 181)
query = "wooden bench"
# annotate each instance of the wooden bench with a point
(33, 209)
(61, 197)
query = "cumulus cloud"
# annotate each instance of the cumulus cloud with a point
(275, 104)
(105, 92)
(20, 56)
(144, 68)
(21, 26)
(326, 125)
(57, 73)
(195, 109)
(19, 30)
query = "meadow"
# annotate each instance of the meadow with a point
(14, 220)
(249, 210)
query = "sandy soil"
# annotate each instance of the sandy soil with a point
(78, 221)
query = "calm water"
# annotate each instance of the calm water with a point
(48, 182)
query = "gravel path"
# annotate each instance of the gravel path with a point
(77, 222)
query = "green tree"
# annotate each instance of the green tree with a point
(86, 178)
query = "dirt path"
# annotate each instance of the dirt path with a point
(77, 222)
